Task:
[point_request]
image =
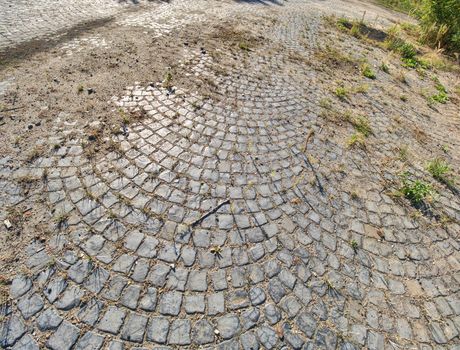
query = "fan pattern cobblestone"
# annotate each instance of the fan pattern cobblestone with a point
(209, 225)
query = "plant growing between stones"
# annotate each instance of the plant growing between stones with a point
(385, 68)
(356, 140)
(61, 220)
(341, 92)
(367, 71)
(416, 191)
(217, 251)
(441, 96)
(403, 153)
(243, 46)
(439, 169)
(354, 245)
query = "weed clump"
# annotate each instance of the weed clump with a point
(439, 169)
(367, 71)
(416, 191)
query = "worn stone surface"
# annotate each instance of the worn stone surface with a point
(225, 207)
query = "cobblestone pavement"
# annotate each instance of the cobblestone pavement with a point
(227, 221)
(25, 20)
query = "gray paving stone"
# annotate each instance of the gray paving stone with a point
(11, 329)
(306, 323)
(112, 320)
(219, 280)
(170, 303)
(130, 296)
(148, 301)
(179, 333)
(291, 306)
(203, 332)
(257, 296)
(197, 281)
(124, 263)
(267, 337)
(216, 303)
(177, 279)
(250, 318)
(272, 314)
(19, 286)
(90, 341)
(272, 268)
(158, 274)
(134, 328)
(359, 334)
(70, 298)
(115, 345)
(97, 279)
(157, 330)
(228, 326)
(26, 343)
(276, 290)
(64, 338)
(326, 338)
(238, 299)
(114, 288)
(79, 271)
(293, 339)
(90, 311)
(194, 304)
(249, 341)
(48, 320)
(30, 305)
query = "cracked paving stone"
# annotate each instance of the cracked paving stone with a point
(134, 328)
(89, 312)
(20, 286)
(250, 318)
(179, 333)
(112, 320)
(64, 338)
(276, 290)
(257, 296)
(26, 343)
(228, 326)
(203, 332)
(30, 305)
(70, 298)
(170, 303)
(149, 301)
(272, 314)
(130, 296)
(11, 329)
(90, 341)
(158, 330)
(306, 324)
(249, 341)
(267, 337)
(48, 320)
